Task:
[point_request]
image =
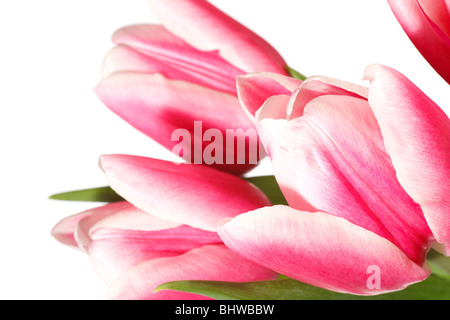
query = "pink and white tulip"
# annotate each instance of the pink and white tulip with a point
(366, 174)
(427, 24)
(160, 78)
(166, 231)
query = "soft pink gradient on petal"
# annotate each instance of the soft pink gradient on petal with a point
(158, 106)
(336, 160)
(64, 230)
(156, 48)
(432, 38)
(190, 194)
(207, 28)
(416, 134)
(319, 249)
(345, 170)
(316, 86)
(68, 230)
(130, 218)
(165, 79)
(120, 215)
(438, 12)
(113, 251)
(271, 118)
(255, 88)
(123, 58)
(211, 262)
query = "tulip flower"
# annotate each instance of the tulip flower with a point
(176, 82)
(427, 24)
(166, 231)
(366, 174)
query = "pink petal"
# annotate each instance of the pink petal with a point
(156, 48)
(432, 41)
(120, 215)
(254, 89)
(159, 107)
(212, 262)
(316, 86)
(273, 112)
(67, 231)
(417, 136)
(123, 58)
(207, 28)
(334, 158)
(64, 230)
(264, 97)
(190, 194)
(438, 12)
(319, 249)
(128, 218)
(113, 251)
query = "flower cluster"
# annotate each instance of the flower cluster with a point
(365, 171)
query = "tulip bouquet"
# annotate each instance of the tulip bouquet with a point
(357, 206)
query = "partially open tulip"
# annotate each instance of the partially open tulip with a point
(427, 24)
(168, 233)
(366, 174)
(176, 82)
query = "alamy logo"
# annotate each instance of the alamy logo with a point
(213, 147)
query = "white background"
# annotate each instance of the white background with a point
(53, 128)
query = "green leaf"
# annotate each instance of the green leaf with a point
(102, 194)
(270, 187)
(440, 264)
(295, 74)
(267, 184)
(432, 288)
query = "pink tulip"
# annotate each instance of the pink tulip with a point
(427, 24)
(366, 173)
(164, 78)
(168, 233)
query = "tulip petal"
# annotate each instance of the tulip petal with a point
(211, 262)
(64, 230)
(255, 88)
(207, 28)
(154, 49)
(417, 136)
(160, 107)
(273, 112)
(113, 251)
(123, 58)
(432, 42)
(67, 231)
(128, 218)
(121, 215)
(334, 158)
(321, 250)
(316, 86)
(438, 12)
(190, 194)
